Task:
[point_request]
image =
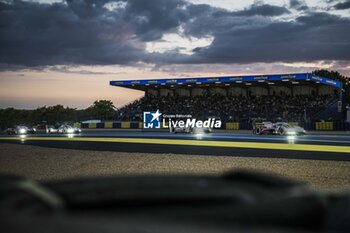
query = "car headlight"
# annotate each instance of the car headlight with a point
(22, 131)
(70, 130)
(199, 135)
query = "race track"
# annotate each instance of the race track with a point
(314, 146)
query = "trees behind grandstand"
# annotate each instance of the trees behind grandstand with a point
(335, 75)
(102, 110)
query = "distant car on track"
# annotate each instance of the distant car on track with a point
(68, 129)
(20, 130)
(52, 129)
(279, 128)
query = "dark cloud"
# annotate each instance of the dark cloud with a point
(68, 70)
(83, 31)
(342, 5)
(35, 34)
(317, 36)
(298, 4)
(264, 10)
(256, 9)
(152, 18)
(89, 32)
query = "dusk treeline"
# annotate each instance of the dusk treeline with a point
(101, 110)
(335, 75)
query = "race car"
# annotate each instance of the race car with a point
(68, 129)
(20, 130)
(52, 129)
(279, 128)
(195, 130)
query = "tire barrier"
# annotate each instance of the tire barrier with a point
(110, 125)
(125, 125)
(324, 125)
(232, 125)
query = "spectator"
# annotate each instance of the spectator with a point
(229, 108)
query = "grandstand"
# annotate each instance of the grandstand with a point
(299, 97)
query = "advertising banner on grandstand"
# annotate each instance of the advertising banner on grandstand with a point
(152, 120)
(230, 79)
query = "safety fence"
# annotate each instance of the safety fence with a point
(328, 125)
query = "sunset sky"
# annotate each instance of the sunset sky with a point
(66, 52)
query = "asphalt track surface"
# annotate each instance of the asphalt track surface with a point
(315, 146)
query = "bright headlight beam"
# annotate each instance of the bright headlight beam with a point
(70, 130)
(291, 139)
(22, 131)
(23, 138)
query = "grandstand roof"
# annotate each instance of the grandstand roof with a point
(300, 77)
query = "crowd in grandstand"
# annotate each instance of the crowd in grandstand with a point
(230, 108)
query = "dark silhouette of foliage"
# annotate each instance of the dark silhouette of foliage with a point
(335, 75)
(101, 109)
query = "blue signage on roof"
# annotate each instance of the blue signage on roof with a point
(230, 79)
